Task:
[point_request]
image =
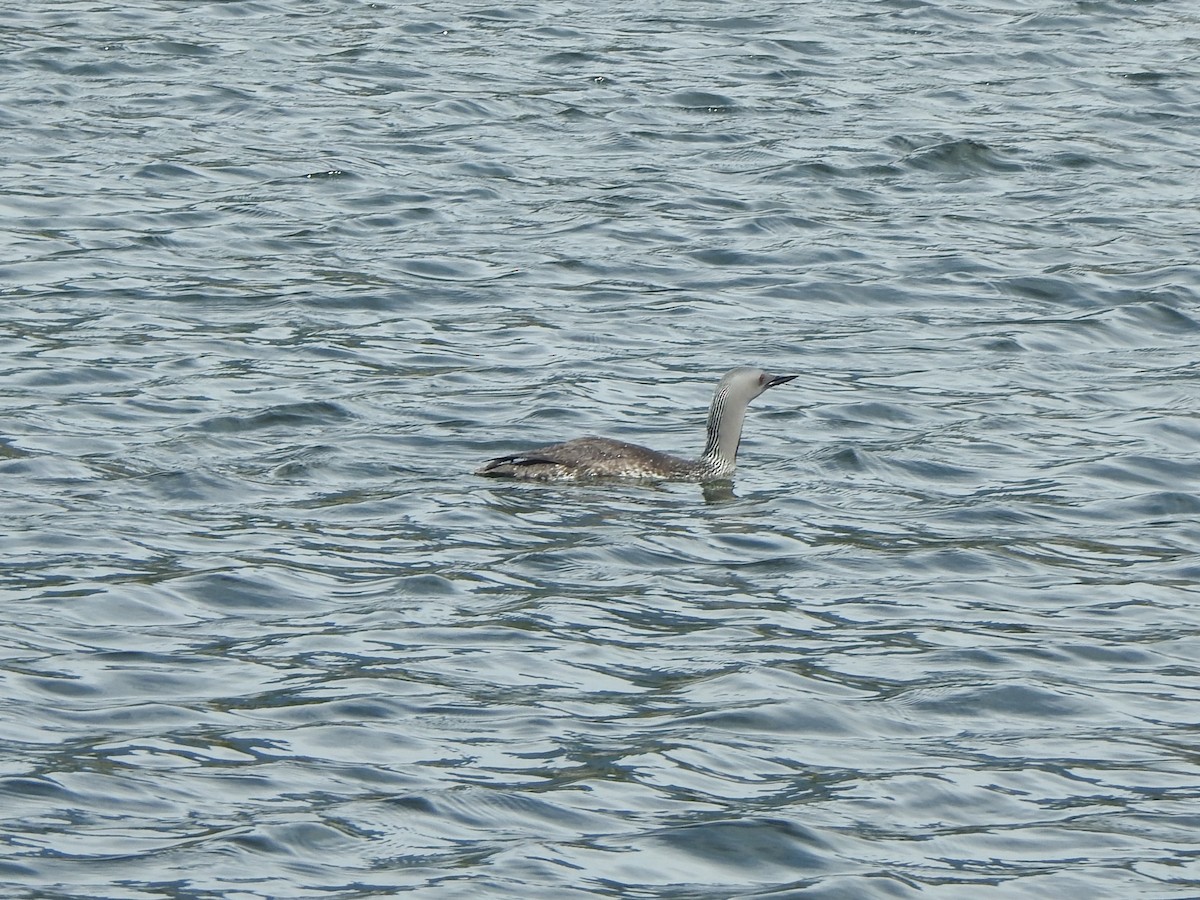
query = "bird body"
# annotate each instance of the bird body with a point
(597, 457)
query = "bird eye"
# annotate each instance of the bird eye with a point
(762, 379)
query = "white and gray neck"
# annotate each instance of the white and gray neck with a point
(725, 418)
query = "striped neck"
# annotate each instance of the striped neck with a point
(725, 418)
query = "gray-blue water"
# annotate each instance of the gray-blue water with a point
(276, 277)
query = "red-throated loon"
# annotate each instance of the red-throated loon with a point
(596, 457)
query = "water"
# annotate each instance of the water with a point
(277, 277)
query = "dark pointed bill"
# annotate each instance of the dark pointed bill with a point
(779, 379)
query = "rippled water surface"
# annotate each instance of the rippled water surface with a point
(277, 277)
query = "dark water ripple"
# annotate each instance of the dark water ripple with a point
(277, 277)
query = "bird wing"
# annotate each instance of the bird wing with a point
(571, 454)
(588, 456)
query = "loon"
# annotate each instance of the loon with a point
(597, 457)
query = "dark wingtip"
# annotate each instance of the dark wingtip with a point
(489, 467)
(508, 466)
